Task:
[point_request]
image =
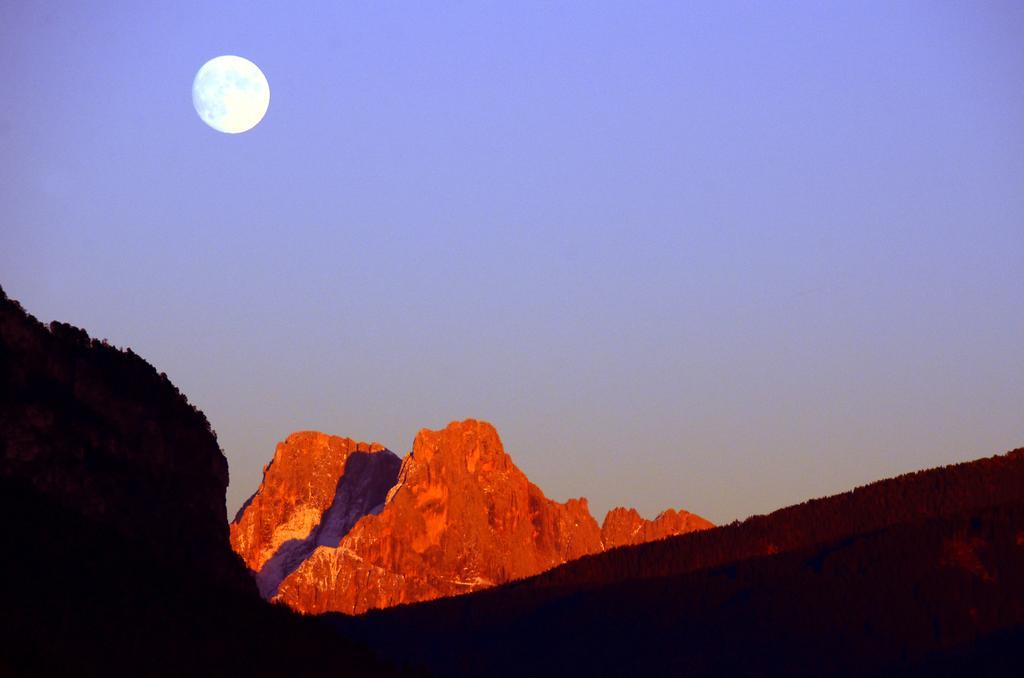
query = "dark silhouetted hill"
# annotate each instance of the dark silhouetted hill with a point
(921, 574)
(950, 490)
(116, 558)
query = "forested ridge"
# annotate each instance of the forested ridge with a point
(914, 496)
(920, 574)
(116, 558)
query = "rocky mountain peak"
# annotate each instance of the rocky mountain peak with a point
(459, 516)
(340, 525)
(316, 487)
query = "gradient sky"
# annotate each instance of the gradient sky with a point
(719, 256)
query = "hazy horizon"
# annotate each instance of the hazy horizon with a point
(719, 257)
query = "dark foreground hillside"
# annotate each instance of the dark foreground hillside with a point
(115, 553)
(79, 600)
(947, 491)
(921, 575)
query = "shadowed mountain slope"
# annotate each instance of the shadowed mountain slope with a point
(950, 490)
(313, 491)
(117, 560)
(920, 574)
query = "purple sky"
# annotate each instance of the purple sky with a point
(718, 256)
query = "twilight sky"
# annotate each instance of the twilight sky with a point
(719, 256)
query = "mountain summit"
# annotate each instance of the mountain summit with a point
(459, 516)
(313, 492)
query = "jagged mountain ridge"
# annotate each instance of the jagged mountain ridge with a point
(460, 517)
(626, 527)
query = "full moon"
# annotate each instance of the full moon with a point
(230, 94)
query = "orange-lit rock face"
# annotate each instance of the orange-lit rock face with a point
(314, 490)
(459, 517)
(624, 527)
